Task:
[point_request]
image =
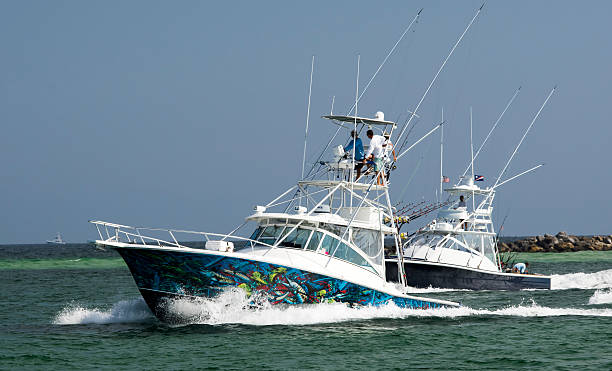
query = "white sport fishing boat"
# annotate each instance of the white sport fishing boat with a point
(322, 240)
(319, 241)
(57, 240)
(458, 249)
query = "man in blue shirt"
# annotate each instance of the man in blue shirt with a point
(520, 268)
(359, 154)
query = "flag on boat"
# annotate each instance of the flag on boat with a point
(445, 179)
(478, 178)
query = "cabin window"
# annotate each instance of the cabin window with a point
(345, 252)
(256, 233)
(340, 250)
(297, 238)
(329, 244)
(369, 242)
(270, 234)
(313, 244)
(332, 228)
(489, 244)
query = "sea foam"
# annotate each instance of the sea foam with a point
(229, 308)
(601, 297)
(134, 310)
(232, 307)
(596, 280)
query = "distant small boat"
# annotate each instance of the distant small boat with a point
(57, 240)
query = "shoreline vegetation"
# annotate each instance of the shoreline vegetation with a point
(561, 242)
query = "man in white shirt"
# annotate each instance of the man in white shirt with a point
(389, 150)
(376, 151)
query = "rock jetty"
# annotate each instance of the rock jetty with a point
(561, 242)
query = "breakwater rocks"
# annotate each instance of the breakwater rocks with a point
(561, 242)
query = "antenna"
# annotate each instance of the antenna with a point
(307, 116)
(471, 145)
(354, 137)
(441, 154)
(472, 157)
(524, 135)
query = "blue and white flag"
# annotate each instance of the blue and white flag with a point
(478, 178)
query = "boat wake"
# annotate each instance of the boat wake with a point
(597, 280)
(233, 307)
(601, 297)
(224, 311)
(124, 311)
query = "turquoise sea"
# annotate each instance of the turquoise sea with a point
(77, 307)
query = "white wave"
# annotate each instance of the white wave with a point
(597, 280)
(601, 297)
(135, 310)
(232, 307)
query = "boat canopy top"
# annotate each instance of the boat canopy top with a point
(360, 120)
(347, 184)
(469, 188)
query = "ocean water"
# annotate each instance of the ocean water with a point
(77, 307)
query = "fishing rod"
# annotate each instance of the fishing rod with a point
(412, 207)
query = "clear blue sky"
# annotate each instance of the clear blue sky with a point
(186, 114)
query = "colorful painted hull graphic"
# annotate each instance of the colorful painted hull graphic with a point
(179, 273)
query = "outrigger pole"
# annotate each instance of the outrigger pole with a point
(420, 140)
(414, 20)
(518, 175)
(524, 135)
(436, 77)
(493, 128)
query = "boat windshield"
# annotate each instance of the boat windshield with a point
(303, 238)
(478, 242)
